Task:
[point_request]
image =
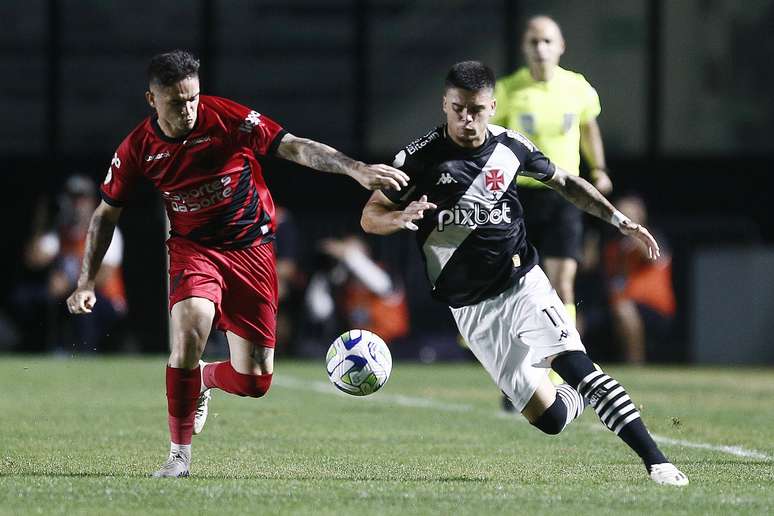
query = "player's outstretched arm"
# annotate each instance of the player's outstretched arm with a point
(319, 156)
(381, 216)
(583, 195)
(101, 228)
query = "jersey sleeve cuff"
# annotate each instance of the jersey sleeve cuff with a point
(109, 200)
(275, 142)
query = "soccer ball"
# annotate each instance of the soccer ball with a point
(358, 362)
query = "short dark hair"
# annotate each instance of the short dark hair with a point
(170, 67)
(471, 76)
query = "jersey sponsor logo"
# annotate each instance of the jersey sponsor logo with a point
(196, 141)
(473, 217)
(494, 180)
(445, 179)
(204, 196)
(416, 145)
(156, 157)
(248, 124)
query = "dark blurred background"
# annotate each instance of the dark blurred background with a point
(687, 119)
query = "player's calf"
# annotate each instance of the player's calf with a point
(567, 406)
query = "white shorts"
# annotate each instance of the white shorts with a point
(514, 333)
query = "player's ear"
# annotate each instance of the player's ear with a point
(151, 100)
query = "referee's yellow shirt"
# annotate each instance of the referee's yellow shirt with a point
(549, 113)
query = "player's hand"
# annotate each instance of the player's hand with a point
(82, 300)
(414, 211)
(601, 181)
(642, 234)
(376, 177)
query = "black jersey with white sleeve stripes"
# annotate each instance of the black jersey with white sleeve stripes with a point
(474, 245)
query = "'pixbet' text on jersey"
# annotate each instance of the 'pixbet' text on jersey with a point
(477, 216)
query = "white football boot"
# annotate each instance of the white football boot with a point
(667, 474)
(177, 465)
(202, 405)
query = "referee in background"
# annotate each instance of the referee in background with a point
(557, 109)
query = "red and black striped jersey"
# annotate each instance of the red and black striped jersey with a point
(211, 181)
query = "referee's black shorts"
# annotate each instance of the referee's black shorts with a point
(554, 224)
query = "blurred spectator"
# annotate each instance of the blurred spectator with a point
(352, 291)
(54, 256)
(642, 301)
(290, 281)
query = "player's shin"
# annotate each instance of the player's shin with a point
(611, 403)
(182, 395)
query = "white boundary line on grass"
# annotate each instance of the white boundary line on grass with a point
(290, 382)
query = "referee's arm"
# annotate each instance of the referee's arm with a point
(593, 152)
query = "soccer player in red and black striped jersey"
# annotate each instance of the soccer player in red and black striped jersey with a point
(200, 153)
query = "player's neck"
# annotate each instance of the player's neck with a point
(169, 131)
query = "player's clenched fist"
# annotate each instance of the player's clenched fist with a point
(415, 211)
(81, 301)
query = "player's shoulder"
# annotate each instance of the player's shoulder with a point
(510, 137)
(426, 142)
(420, 149)
(137, 139)
(216, 102)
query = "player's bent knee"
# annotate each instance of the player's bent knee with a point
(256, 386)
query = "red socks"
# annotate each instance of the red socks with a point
(222, 376)
(183, 387)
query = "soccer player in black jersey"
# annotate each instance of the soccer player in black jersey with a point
(463, 204)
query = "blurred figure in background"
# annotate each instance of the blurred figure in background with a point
(290, 281)
(352, 291)
(557, 109)
(642, 300)
(56, 255)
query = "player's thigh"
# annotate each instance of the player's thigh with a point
(249, 357)
(541, 322)
(486, 327)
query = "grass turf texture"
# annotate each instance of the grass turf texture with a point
(80, 436)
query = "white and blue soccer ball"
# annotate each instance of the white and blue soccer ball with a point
(358, 362)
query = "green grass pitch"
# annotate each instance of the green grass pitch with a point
(80, 436)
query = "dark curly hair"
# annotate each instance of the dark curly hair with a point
(471, 76)
(170, 67)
